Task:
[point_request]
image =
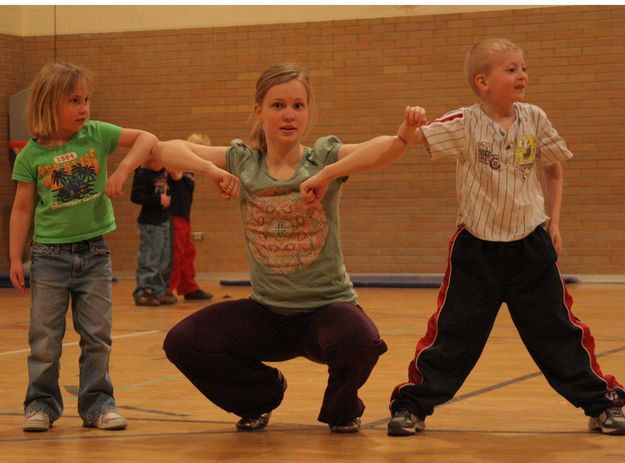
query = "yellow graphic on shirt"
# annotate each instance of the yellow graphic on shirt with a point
(71, 177)
(283, 233)
(525, 152)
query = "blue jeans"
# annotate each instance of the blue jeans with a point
(80, 273)
(153, 258)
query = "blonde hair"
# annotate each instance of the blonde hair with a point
(276, 74)
(199, 139)
(478, 59)
(53, 82)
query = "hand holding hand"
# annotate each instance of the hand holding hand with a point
(414, 118)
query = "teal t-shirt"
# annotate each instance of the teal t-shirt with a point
(72, 205)
(293, 250)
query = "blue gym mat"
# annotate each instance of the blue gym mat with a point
(386, 281)
(359, 281)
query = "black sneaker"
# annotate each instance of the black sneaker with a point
(197, 295)
(609, 421)
(254, 423)
(404, 423)
(346, 427)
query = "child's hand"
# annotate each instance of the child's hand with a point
(115, 183)
(165, 200)
(228, 184)
(556, 239)
(414, 117)
(16, 274)
(314, 189)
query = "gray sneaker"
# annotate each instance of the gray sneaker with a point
(109, 421)
(404, 423)
(36, 422)
(609, 421)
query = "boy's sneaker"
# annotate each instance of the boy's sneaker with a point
(346, 427)
(109, 421)
(36, 422)
(404, 423)
(197, 295)
(147, 299)
(609, 421)
(167, 298)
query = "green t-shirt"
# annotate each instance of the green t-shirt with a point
(72, 205)
(293, 250)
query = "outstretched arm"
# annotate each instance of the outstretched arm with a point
(21, 220)
(554, 178)
(369, 155)
(184, 156)
(380, 151)
(141, 144)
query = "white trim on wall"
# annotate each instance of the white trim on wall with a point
(36, 20)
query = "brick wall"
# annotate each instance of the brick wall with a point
(11, 81)
(399, 219)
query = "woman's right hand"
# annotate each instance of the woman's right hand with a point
(229, 185)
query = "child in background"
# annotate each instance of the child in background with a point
(182, 276)
(504, 251)
(151, 190)
(62, 171)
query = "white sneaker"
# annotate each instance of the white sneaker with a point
(36, 422)
(109, 421)
(404, 423)
(609, 421)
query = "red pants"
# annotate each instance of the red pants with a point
(182, 278)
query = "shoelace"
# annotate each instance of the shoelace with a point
(617, 413)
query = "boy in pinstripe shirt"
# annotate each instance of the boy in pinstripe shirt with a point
(504, 251)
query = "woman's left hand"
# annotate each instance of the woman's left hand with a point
(314, 189)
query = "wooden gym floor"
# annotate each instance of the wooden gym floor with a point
(505, 411)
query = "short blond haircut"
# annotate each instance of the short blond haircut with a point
(53, 82)
(478, 59)
(199, 139)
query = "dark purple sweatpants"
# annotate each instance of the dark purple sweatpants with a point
(220, 349)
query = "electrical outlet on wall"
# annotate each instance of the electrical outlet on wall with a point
(197, 236)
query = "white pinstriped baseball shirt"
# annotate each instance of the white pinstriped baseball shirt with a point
(498, 189)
